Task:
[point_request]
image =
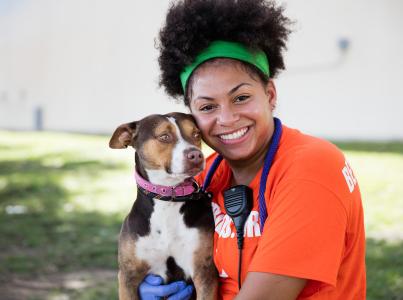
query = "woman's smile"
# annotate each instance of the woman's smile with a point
(235, 137)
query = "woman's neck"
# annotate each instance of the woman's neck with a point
(243, 171)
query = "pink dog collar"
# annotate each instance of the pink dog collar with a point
(183, 189)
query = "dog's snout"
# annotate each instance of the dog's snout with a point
(194, 156)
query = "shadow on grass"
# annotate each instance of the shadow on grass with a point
(36, 183)
(55, 163)
(44, 237)
(40, 238)
(39, 243)
(384, 270)
(381, 147)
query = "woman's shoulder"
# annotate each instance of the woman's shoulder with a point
(300, 146)
(305, 157)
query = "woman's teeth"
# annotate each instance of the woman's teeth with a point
(234, 135)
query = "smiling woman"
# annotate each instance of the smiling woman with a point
(304, 237)
(233, 110)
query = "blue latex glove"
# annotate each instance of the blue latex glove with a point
(152, 289)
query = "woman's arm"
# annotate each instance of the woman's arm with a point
(268, 286)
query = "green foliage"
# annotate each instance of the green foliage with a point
(377, 147)
(63, 198)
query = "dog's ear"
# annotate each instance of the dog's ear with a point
(123, 136)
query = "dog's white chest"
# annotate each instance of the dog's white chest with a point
(169, 236)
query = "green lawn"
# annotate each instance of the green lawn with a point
(63, 197)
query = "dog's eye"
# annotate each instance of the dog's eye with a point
(164, 138)
(196, 135)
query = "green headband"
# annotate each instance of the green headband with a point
(228, 50)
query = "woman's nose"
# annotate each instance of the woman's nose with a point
(227, 117)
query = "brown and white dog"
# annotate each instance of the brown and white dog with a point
(169, 230)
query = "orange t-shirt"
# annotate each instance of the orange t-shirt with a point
(314, 229)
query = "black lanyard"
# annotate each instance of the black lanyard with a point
(268, 160)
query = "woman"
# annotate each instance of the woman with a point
(304, 238)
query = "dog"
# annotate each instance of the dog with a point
(169, 230)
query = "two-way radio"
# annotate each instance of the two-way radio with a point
(238, 204)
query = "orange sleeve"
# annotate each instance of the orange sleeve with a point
(304, 233)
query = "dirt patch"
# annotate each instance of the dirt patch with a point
(57, 286)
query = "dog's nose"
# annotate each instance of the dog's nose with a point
(195, 156)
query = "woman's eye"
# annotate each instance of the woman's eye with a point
(241, 98)
(207, 107)
(164, 138)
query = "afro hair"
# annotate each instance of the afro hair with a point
(191, 25)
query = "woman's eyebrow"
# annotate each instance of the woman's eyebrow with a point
(233, 90)
(203, 97)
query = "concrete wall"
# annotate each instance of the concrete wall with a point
(356, 93)
(91, 65)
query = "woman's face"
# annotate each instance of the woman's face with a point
(232, 109)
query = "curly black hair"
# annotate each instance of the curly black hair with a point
(191, 25)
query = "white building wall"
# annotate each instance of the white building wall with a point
(91, 65)
(353, 94)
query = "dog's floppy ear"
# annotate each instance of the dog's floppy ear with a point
(123, 135)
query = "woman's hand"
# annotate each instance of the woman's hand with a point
(152, 289)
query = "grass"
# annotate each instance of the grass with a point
(63, 197)
(62, 200)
